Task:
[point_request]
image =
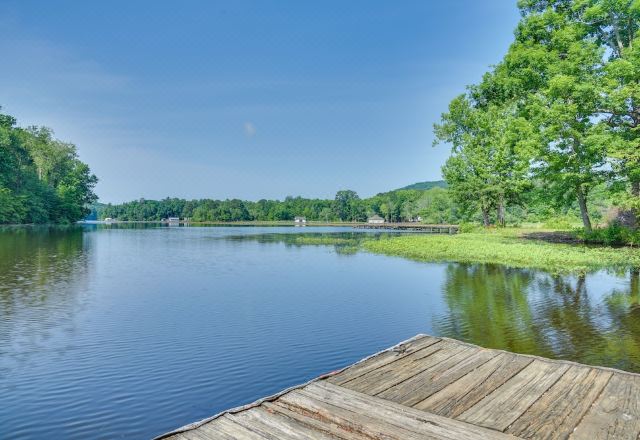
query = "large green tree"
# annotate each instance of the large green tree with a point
(348, 207)
(615, 24)
(41, 179)
(489, 165)
(555, 49)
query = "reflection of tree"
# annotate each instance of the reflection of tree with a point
(623, 342)
(573, 325)
(37, 266)
(488, 305)
(35, 257)
(533, 312)
(344, 243)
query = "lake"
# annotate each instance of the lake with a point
(128, 332)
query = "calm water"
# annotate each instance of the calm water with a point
(112, 332)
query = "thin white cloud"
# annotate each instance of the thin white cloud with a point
(249, 129)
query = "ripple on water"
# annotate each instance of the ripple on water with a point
(128, 333)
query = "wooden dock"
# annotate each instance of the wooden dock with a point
(433, 229)
(439, 388)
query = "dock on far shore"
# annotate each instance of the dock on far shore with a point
(411, 226)
(440, 388)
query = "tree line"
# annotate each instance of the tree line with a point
(432, 205)
(557, 118)
(41, 178)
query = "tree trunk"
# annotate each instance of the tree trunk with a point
(635, 192)
(582, 202)
(485, 217)
(580, 286)
(634, 284)
(500, 212)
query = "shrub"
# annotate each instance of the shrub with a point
(560, 222)
(613, 235)
(465, 228)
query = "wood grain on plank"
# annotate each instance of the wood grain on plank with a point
(195, 434)
(224, 428)
(275, 426)
(504, 405)
(462, 394)
(382, 359)
(558, 411)
(392, 374)
(199, 434)
(616, 412)
(435, 378)
(330, 428)
(424, 424)
(360, 422)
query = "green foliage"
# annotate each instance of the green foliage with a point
(347, 206)
(561, 222)
(433, 206)
(41, 179)
(488, 166)
(437, 206)
(611, 235)
(467, 228)
(561, 111)
(426, 185)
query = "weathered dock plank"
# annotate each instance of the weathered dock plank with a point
(439, 388)
(428, 382)
(419, 227)
(385, 358)
(462, 394)
(392, 374)
(503, 406)
(399, 416)
(560, 409)
(616, 413)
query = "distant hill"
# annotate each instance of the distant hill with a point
(426, 185)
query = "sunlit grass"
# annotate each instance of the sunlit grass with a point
(507, 247)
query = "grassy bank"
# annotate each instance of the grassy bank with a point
(511, 247)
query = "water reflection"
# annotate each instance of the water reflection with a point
(343, 243)
(132, 330)
(593, 318)
(41, 269)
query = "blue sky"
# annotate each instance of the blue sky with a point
(247, 99)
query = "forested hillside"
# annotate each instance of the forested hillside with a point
(427, 185)
(41, 178)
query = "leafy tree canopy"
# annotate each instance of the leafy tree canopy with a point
(41, 178)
